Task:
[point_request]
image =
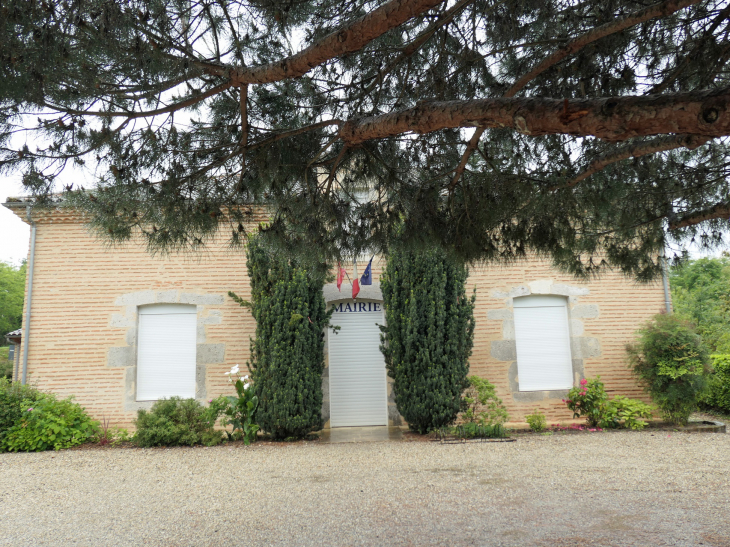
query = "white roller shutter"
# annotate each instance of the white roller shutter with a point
(543, 343)
(167, 351)
(357, 377)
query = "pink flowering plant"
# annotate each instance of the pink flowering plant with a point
(589, 400)
(239, 410)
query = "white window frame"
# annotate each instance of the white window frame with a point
(542, 339)
(170, 371)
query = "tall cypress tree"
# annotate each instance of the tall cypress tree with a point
(287, 355)
(428, 336)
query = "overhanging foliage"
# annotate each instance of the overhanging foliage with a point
(599, 126)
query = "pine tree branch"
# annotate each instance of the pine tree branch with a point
(148, 113)
(294, 133)
(635, 150)
(416, 44)
(243, 100)
(473, 143)
(661, 9)
(685, 62)
(719, 210)
(704, 113)
(348, 39)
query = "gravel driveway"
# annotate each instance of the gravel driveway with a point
(618, 488)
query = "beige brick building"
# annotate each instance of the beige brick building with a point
(88, 300)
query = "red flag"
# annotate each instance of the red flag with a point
(340, 276)
(355, 288)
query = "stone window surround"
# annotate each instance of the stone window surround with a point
(126, 355)
(332, 296)
(581, 346)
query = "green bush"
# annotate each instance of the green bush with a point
(672, 364)
(287, 355)
(591, 401)
(48, 423)
(480, 403)
(537, 421)
(428, 335)
(628, 412)
(717, 395)
(12, 398)
(6, 365)
(177, 422)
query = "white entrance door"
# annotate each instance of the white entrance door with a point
(358, 389)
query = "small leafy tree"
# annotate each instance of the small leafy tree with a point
(672, 363)
(287, 355)
(428, 336)
(480, 403)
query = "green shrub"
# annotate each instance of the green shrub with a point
(12, 397)
(6, 365)
(177, 422)
(480, 403)
(591, 401)
(717, 395)
(428, 335)
(48, 423)
(672, 364)
(537, 421)
(627, 412)
(287, 355)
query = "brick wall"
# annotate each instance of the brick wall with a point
(83, 291)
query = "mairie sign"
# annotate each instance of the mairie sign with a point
(359, 307)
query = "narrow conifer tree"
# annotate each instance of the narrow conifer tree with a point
(428, 336)
(287, 355)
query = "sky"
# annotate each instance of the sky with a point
(14, 233)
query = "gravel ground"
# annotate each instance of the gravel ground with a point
(604, 489)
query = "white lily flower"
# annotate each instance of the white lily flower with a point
(244, 377)
(234, 370)
(245, 386)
